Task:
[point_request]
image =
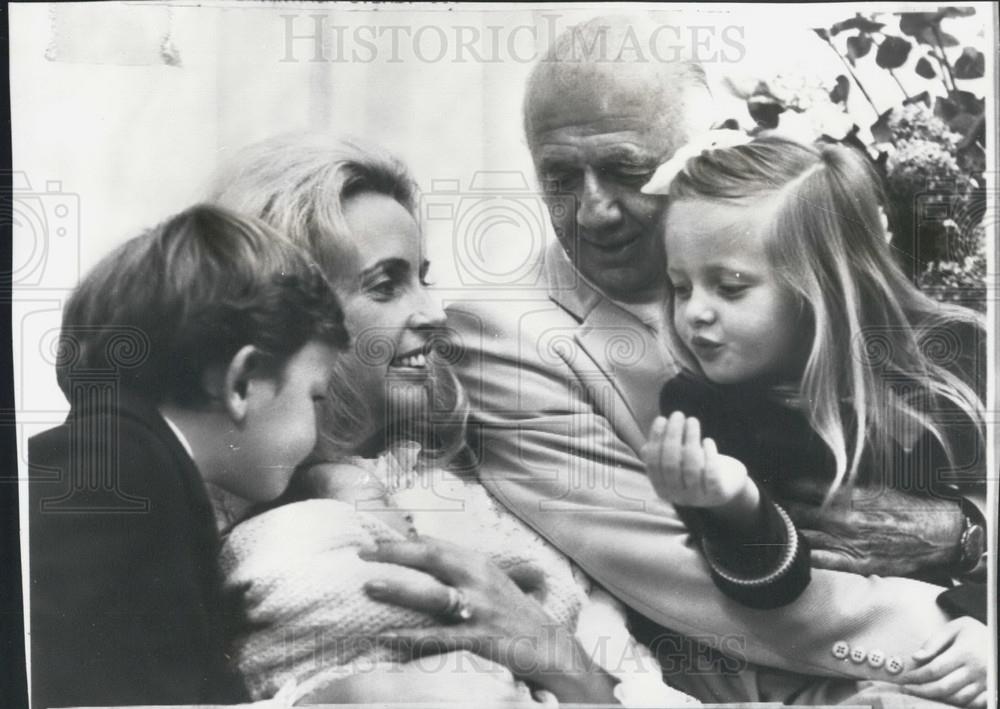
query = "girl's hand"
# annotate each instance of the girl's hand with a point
(503, 623)
(686, 470)
(953, 665)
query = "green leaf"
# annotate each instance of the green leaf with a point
(972, 158)
(856, 23)
(975, 133)
(962, 123)
(851, 138)
(892, 53)
(946, 108)
(841, 90)
(956, 12)
(925, 69)
(925, 27)
(968, 102)
(913, 23)
(880, 128)
(923, 97)
(957, 105)
(971, 65)
(765, 111)
(946, 40)
(859, 45)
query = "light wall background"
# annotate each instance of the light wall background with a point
(122, 111)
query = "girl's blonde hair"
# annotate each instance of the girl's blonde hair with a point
(878, 343)
(299, 184)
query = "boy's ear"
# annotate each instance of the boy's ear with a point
(236, 385)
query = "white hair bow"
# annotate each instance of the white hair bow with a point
(659, 183)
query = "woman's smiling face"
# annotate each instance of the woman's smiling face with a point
(388, 310)
(732, 311)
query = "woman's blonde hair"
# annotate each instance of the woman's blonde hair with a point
(299, 184)
(878, 343)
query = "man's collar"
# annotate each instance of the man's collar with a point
(567, 286)
(179, 433)
(570, 289)
(616, 340)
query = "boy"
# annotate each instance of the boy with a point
(192, 357)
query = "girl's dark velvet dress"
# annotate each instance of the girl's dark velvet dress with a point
(774, 439)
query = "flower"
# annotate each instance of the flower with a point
(799, 92)
(659, 183)
(918, 165)
(916, 121)
(962, 282)
(808, 126)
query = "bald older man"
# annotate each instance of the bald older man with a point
(564, 382)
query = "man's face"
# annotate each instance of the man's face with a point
(602, 152)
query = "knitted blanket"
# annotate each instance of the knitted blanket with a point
(300, 581)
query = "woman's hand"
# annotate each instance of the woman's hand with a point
(503, 623)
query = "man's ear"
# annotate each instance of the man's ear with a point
(236, 385)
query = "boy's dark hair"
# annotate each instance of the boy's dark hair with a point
(189, 294)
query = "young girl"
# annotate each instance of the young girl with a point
(806, 352)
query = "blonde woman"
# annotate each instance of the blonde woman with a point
(502, 615)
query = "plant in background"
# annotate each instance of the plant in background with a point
(929, 150)
(962, 282)
(916, 121)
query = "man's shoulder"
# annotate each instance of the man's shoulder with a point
(560, 298)
(506, 308)
(515, 316)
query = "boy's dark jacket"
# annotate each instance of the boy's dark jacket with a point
(125, 601)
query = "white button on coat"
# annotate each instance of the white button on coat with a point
(841, 649)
